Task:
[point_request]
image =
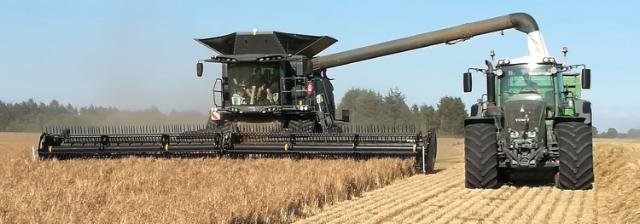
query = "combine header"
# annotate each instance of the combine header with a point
(274, 98)
(199, 141)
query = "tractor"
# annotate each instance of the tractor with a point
(532, 118)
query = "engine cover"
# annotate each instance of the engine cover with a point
(523, 112)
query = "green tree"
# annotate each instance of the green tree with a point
(33, 117)
(451, 113)
(633, 133)
(370, 108)
(428, 118)
(395, 108)
(365, 105)
(611, 133)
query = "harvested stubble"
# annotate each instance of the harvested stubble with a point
(146, 190)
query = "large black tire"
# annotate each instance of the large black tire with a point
(306, 126)
(480, 156)
(430, 158)
(221, 126)
(576, 156)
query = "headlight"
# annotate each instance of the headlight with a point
(548, 60)
(514, 134)
(504, 61)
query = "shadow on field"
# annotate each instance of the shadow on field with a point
(531, 178)
(435, 171)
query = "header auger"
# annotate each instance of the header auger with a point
(274, 97)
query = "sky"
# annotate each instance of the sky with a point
(138, 54)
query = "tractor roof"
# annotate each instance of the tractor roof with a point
(528, 60)
(268, 43)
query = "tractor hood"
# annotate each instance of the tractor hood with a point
(524, 112)
(267, 43)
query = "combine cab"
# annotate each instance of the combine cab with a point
(267, 83)
(274, 98)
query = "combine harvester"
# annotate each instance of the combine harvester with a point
(276, 99)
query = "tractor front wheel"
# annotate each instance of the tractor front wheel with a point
(576, 156)
(480, 156)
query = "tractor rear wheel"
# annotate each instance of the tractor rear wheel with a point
(576, 156)
(480, 156)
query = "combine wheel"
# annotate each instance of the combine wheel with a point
(480, 156)
(430, 157)
(576, 156)
(220, 126)
(307, 126)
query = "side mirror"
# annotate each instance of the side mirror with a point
(586, 78)
(199, 69)
(467, 81)
(345, 115)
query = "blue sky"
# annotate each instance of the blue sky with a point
(137, 54)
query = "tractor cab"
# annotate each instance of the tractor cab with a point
(545, 80)
(528, 92)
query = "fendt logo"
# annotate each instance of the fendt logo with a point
(525, 119)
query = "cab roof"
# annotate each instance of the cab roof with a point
(272, 42)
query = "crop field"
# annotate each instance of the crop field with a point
(147, 190)
(135, 190)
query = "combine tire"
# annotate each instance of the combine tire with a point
(220, 126)
(480, 156)
(576, 156)
(306, 126)
(430, 157)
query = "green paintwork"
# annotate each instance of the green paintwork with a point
(573, 83)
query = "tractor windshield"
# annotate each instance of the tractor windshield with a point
(254, 84)
(528, 78)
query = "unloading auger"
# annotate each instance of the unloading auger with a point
(274, 98)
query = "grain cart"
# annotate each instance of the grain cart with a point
(274, 98)
(532, 118)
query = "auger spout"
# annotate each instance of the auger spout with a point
(520, 21)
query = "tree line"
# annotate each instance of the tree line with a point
(613, 133)
(368, 107)
(31, 116)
